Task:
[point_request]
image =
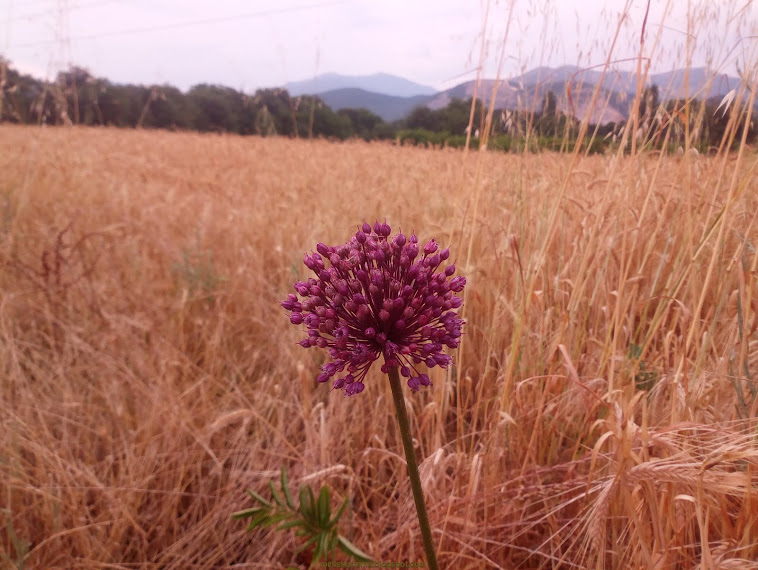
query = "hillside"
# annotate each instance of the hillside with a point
(531, 97)
(382, 83)
(387, 107)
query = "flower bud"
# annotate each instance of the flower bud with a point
(430, 247)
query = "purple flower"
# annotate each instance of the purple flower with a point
(374, 296)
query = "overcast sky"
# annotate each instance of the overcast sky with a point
(247, 44)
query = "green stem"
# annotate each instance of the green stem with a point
(410, 457)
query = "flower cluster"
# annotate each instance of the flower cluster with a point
(379, 295)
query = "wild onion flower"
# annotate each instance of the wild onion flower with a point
(379, 296)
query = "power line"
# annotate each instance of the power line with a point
(35, 15)
(32, 3)
(192, 23)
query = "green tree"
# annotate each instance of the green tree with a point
(76, 90)
(264, 123)
(167, 108)
(122, 105)
(549, 104)
(23, 96)
(455, 117)
(278, 105)
(325, 122)
(364, 122)
(547, 122)
(649, 102)
(424, 118)
(215, 108)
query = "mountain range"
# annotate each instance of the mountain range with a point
(381, 83)
(393, 97)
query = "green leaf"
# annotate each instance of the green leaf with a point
(292, 524)
(337, 516)
(260, 519)
(322, 548)
(351, 550)
(275, 494)
(286, 490)
(247, 513)
(323, 507)
(312, 502)
(257, 497)
(306, 503)
(278, 517)
(333, 535)
(310, 541)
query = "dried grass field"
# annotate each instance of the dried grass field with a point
(600, 412)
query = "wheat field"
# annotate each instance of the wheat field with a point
(599, 413)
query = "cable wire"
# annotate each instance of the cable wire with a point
(189, 24)
(36, 15)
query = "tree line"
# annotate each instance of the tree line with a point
(78, 97)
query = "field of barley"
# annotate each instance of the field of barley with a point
(600, 412)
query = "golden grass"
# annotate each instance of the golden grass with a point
(150, 375)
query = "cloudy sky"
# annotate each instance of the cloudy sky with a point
(247, 44)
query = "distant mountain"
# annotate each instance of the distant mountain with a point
(616, 94)
(546, 75)
(381, 83)
(671, 83)
(530, 97)
(393, 97)
(387, 107)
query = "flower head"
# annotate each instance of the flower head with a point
(379, 295)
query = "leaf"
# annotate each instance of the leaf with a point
(351, 550)
(337, 516)
(306, 503)
(247, 513)
(275, 494)
(333, 535)
(292, 524)
(312, 501)
(279, 517)
(322, 547)
(310, 541)
(257, 497)
(323, 507)
(260, 519)
(286, 490)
